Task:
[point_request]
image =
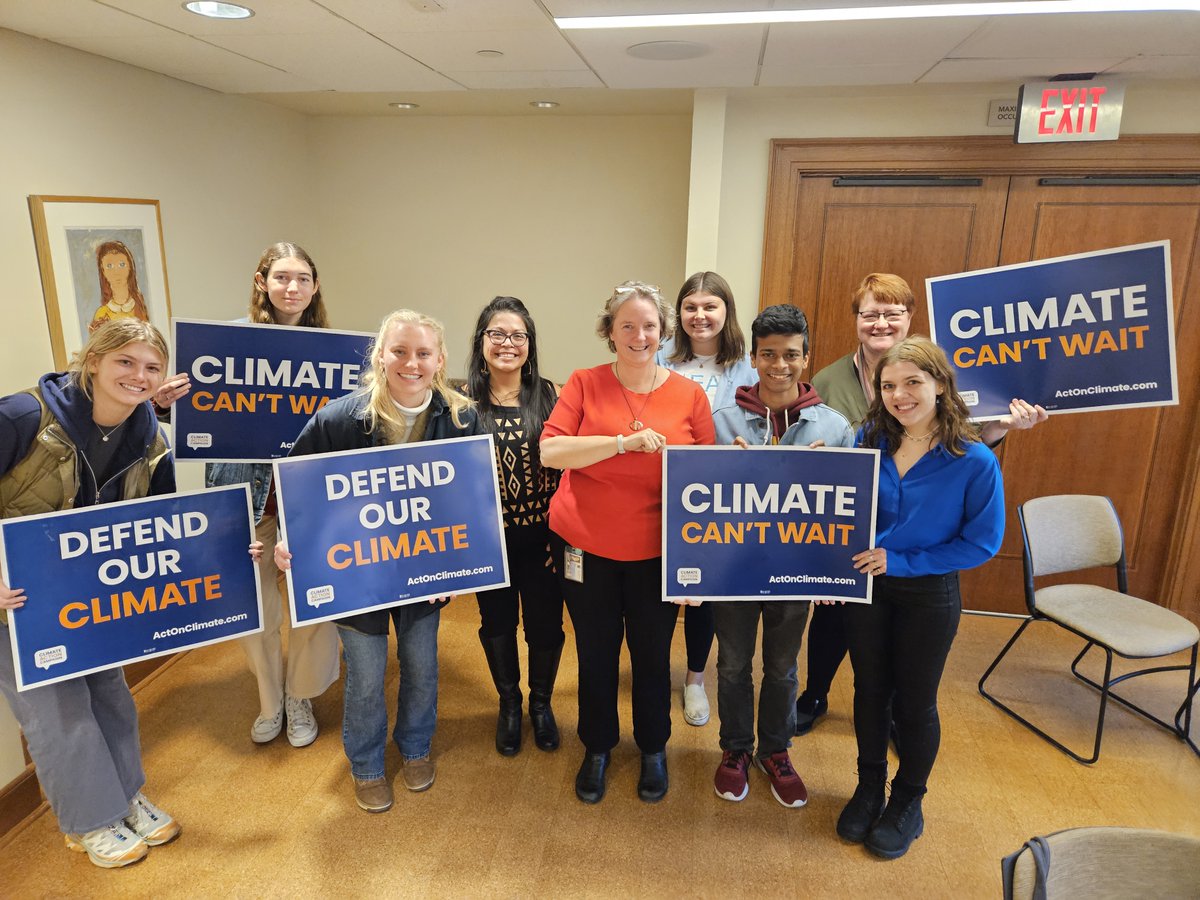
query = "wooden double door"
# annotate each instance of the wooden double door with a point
(826, 231)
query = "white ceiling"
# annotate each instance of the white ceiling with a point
(351, 57)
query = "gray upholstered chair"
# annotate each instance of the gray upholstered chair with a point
(1104, 864)
(1070, 532)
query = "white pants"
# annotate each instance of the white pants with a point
(313, 656)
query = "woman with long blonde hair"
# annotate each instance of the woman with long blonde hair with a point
(404, 398)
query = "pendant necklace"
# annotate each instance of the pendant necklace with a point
(636, 424)
(919, 437)
(104, 436)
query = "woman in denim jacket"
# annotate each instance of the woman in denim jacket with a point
(285, 291)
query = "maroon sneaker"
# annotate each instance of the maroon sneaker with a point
(785, 783)
(732, 778)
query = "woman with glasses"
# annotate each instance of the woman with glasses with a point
(607, 432)
(513, 402)
(708, 348)
(883, 307)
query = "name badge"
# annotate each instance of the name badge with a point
(573, 564)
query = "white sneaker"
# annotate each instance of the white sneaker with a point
(109, 847)
(695, 704)
(302, 727)
(264, 730)
(150, 823)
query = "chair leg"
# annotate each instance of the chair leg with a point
(1028, 724)
(1183, 718)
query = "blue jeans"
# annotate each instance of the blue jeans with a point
(364, 723)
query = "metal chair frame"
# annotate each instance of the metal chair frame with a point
(1180, 727)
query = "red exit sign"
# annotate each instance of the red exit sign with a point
(1052, 111)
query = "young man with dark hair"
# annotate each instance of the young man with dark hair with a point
(779, 410)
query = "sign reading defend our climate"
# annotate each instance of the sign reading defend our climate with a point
(254, 387)
(113, 584)
(381, 527)
(767, 523)
(1079, 333)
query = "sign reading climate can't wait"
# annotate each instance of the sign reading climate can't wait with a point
(381, 527)
(767, 523)
(1078, 333)
(114, 584)
(254, 387)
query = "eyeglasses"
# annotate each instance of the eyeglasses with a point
(517, 338)
(891, 316)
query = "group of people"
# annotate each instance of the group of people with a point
(580, 475)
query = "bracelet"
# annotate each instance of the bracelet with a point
(620, 443)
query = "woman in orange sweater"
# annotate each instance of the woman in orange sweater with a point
(608, 431)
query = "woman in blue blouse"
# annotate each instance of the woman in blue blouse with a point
(708, 348)
(940, 509)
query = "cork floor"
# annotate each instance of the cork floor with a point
(273, 821)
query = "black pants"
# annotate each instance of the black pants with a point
(898, 645)
(826, 648)
(699, 629)
(620, 600)
(533, 586)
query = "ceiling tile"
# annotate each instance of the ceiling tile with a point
(732, 60)
(845, 44)
(576, 78)
(967, 70)
(55, 20)
(1107, 34)
(342, 59)
(523, 49)
(1158, 67)
(270, 17)
(458, 15)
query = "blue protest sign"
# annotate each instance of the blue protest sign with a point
(767, 523)
(114, 584)
(254, 387)
(391, 525)
(1078, 333)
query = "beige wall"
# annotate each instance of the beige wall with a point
(443, 214)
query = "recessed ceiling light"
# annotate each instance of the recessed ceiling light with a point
(542, 104)
(489, 53)
(218, 10)
(668, 50)
(405, 104)
(863, 13)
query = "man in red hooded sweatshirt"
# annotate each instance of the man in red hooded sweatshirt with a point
(780, 409)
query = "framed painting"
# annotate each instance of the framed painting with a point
(100, 258)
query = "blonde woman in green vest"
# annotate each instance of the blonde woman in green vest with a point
(81, 438)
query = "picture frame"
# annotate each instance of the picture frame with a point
(99, 258)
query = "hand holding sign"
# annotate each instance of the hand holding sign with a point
(11, 598)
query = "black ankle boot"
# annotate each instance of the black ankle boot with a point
(501, 653)
(863, 810)
(652, 785)
(901, 823)
(589, 782)
(543, 670)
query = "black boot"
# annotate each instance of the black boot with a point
(543, 669)
(864, 807)
(589, 782)
(901, 823)
(652, 785)
(501, 653)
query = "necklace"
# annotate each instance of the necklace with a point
(919, 437)
(104, 436)
(500, 399)
(120, 306)
(636, 424)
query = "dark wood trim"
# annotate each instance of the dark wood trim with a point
(21, 798)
